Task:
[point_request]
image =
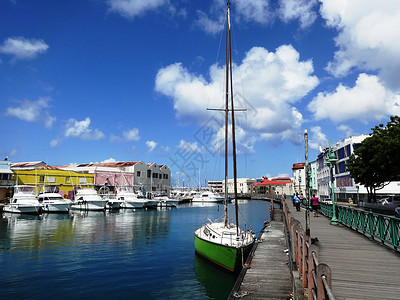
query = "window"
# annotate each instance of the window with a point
(155, 175)
(165, 176)
(82, 180)
(41, 178)
(51, 179)
(68, 180)
(138, 173)
(148, 173)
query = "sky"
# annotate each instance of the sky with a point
(126, 80)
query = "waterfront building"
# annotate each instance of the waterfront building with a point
(6, 179)
(243, 185)
(278, 185)
(148, 177)
(345, 188)
(216, 185)
(299, 177)
(39, 174)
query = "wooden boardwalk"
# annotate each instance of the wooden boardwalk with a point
(269, 276)
(361, 268)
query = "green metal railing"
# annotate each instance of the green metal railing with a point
(380, 228)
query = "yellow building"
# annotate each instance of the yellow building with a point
(39, 174)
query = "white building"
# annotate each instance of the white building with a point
(299, 177)
(243, 185)
(345, 187)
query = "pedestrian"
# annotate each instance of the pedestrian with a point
(297, 201)
(315, 205)
(293, 196)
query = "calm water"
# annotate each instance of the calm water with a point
(124, 255)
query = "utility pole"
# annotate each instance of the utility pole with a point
(307, 191)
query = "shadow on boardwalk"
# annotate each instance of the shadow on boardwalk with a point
(361, 268)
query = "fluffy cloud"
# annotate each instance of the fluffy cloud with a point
(298, 9)
(131, 135)
(367, 100)
(317, 138)
(22, 48)
(109, 160)
(151, 145)
(273, 83)
(134, 8)
(80, 129)
(33, 111)
(368, 37)
(189, 147)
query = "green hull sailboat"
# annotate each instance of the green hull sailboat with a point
(224, 243)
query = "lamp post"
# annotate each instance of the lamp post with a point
(331, 161)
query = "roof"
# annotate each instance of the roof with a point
(274, 181)
(298, 166)
(26, 164)
(111, 164)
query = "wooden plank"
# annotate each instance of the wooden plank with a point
(268, 276)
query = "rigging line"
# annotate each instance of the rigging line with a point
(245, 105)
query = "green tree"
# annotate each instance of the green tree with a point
(377, 161)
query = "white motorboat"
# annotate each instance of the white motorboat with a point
(165, 201)
(88, 199)
(151, 201)
(112, 201)
(24, 201)
(52, 201)
(130, 199)
(208, 196)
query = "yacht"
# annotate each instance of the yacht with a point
(52, 201)
(208, 196)
(130, 199)
(24, 201)
(88, 199)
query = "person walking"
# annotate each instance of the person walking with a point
(297, 201)
(315, 205)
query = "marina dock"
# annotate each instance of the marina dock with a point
(335, 261)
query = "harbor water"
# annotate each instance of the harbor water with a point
(126, 254)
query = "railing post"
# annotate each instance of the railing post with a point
(312, 271)
(324, 289)
(305, 260)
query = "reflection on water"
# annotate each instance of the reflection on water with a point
(134, 254)
(217, 281)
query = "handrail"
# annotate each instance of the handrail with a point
(378, 227)
(315, 276)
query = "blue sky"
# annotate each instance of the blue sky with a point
(125, 80)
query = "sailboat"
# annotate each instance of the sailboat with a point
(224, 243)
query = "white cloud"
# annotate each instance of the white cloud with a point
(131, 135)
(317, 138)
(368, 37)
(367, 100)
(22, 48)
(33, 111)
(244, 141)
(109, 160)
(134, 8)
(347, 130)
(272, 83)
(189, 147)
(54, 142)
(298, 9)
(151, 145)
(80, 129)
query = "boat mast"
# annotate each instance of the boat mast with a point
(226, 114)
(233, 136)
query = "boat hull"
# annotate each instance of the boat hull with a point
(231, 258)
(56, 207)
(23, 209)
(90, 205)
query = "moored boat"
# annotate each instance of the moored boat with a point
(52, 201)
(24, 201)
(223, 243)
(130, 199)
(208, 196)
(88, 199)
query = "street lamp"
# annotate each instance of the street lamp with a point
(331, 161)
